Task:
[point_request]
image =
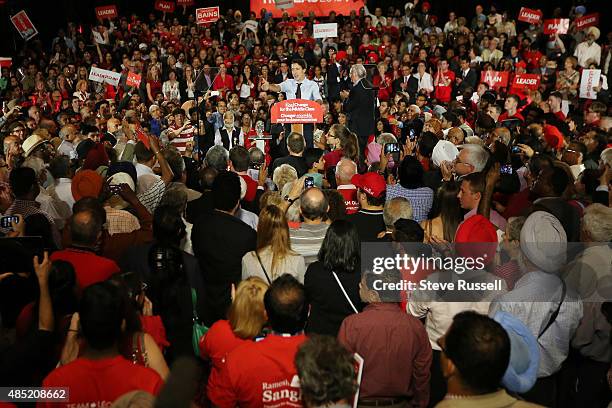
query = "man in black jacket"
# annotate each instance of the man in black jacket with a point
(220, 240)
(466, 77)
(360, 104)
(407, 83)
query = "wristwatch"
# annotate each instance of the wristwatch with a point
(289, 200)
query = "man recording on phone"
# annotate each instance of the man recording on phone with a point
(360, 104)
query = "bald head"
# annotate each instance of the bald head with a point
(112, 125)
(345, 170)
(86, 227)
(313, 204)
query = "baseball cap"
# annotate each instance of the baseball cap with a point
(371, 183)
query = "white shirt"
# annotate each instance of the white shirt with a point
(219, 141)
(534, 298)
(66, 148)
(309, 89)
(585, 52)
(63, 191)
(425, 82)
(249, 218)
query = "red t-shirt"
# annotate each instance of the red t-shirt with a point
(443, 93)
(504, 116)
(88, 267)
(260, 374)
(350, 198)
(332, 158)
(100, 382)
(218, 342)
(251, 187)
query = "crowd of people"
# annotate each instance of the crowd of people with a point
(165, 243)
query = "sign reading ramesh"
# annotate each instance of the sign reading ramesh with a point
(297, 111)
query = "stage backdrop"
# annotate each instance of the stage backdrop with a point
(321, 8)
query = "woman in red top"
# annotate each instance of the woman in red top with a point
(154, 84)
(223, 82)
(383, 81)
(245, 319)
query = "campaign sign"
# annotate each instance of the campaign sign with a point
(529, 16)
(165, 6)
(526, 81)
(297, 111)
(207, 15)
(556, 26)
(6, 62)
(104, 76)
(325, 30)
(495, 79)
(133, 79)
(590, 80)
(587, 21)
(109, 12)
(24, 25)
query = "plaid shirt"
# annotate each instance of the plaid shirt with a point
(120, 221)
(421, 199)
(151, 198)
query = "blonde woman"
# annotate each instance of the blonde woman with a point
(81, 91)
(154, 84)
(273, 256)
(246, 318)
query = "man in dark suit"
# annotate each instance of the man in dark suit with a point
(466, 77)
(360, 105)
(284, 73)
(406, 83)
(333, 76)
(220, 240)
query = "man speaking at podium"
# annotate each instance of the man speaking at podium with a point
(298, 87)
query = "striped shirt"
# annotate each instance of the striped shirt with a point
(186, 136)
(307, 240)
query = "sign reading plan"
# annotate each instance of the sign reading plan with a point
(325, 30)
(207, 15)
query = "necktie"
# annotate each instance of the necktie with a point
(298, 93)
(405, 79)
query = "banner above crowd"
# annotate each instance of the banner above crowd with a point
(321, 8)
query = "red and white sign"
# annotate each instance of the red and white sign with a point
(165, 6)
(207, 15)
(6, 62)
(587, 21)
(495, 79)
(320, 8)
(133, 79)
(104, 76)
(529, 15)
(526, 81)
(556, 26)
(590, 79)
(325, 30)
(185, 2)
(298, 26)
(109, 12)
(297, 111)
(24, 25)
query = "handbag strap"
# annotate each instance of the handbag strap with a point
(194, 302)
(262, 268)
(554, 315)
(344, 292)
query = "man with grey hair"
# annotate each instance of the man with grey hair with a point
(360, 105)
(217, 157)
(66, 147)
(472, 158)
(345, 170)
(307, 239)
(229, 135)
(395, 209)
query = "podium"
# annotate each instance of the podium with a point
(296, 112)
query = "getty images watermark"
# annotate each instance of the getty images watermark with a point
(484, 271)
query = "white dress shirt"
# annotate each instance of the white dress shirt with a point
(585, 52)
(309, 89)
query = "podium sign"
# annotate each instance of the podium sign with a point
(297, 111)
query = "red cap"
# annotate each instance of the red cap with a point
(520, 64)
(553, 137)
(373, 56)
(476, 237)
(426, 5)
(341, 55)
(371, 183)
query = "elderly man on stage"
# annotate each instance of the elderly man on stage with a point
(298, 87)
(360, 104)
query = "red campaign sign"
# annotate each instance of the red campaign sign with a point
(165, 6)
(109, 12)
(495, 79)
(529, 16)
(556, 26)
(185, 2)
(6, 62)
(526, 81)
(297, 111)
(133, 79)
(587, 21)
(24, 25)
(207, 15)
(321, 8)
